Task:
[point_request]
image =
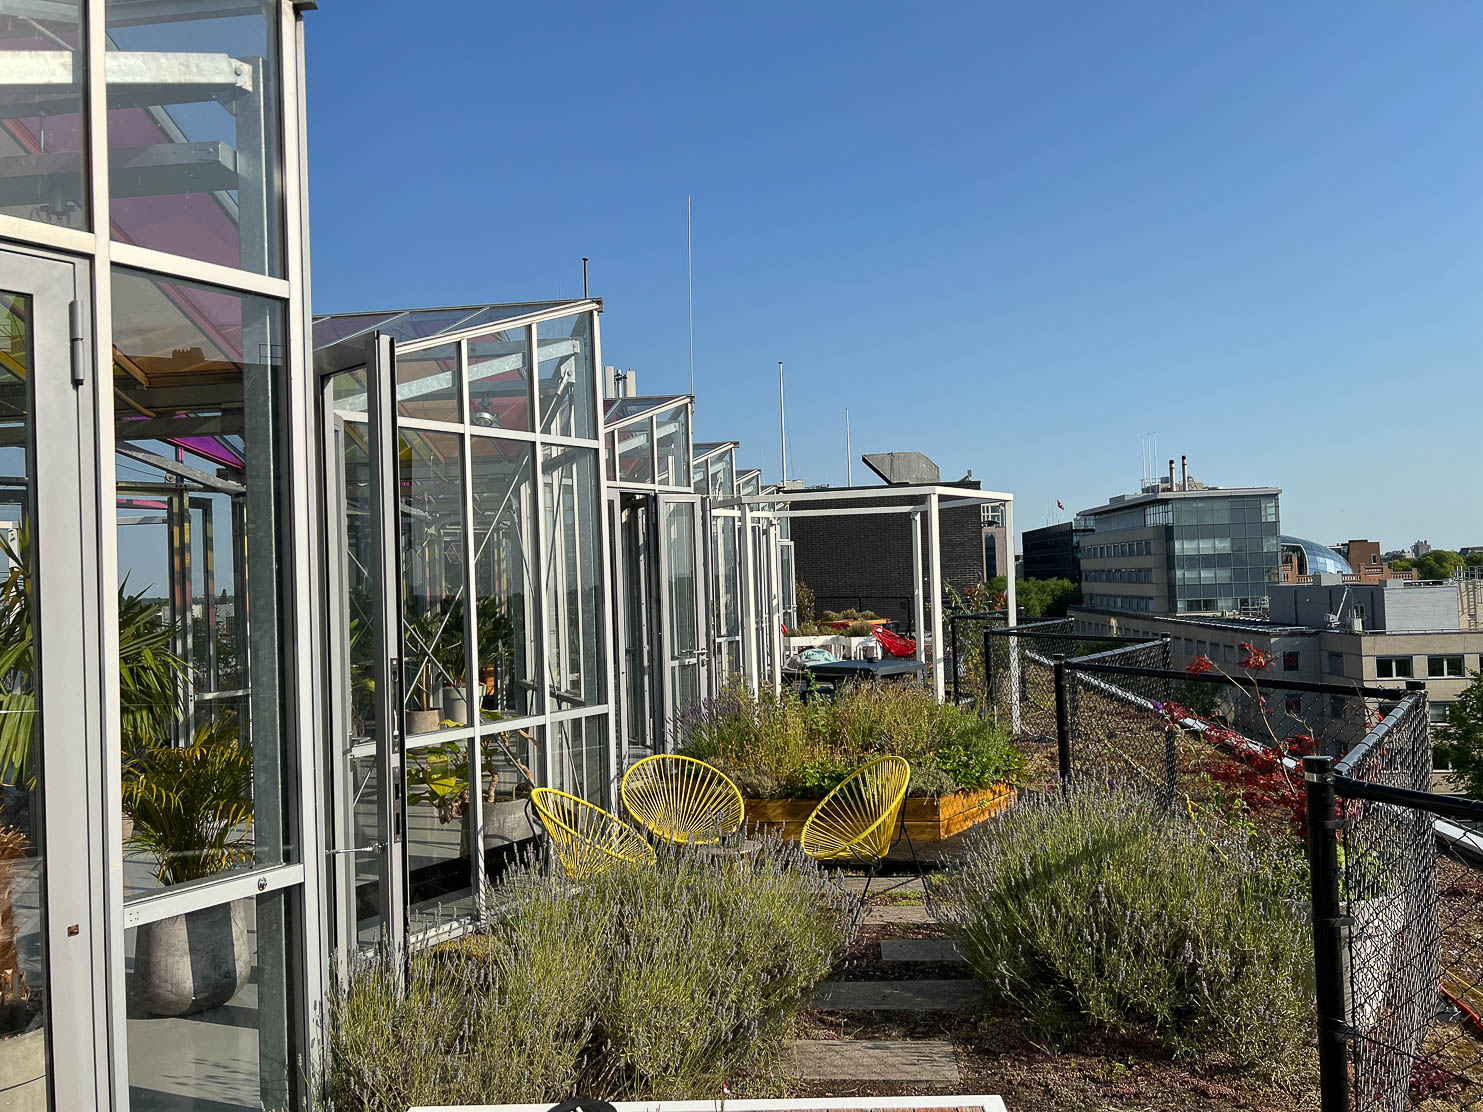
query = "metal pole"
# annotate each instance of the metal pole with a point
(934, 536)
(849, 452)
(1063, 721)
(1328, 943)
(783, 424)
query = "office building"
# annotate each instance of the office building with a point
(1054, 551)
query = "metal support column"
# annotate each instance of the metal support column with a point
(1063, 721)
(1328, 944)
(749, 602)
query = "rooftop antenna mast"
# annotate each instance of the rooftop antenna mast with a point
(690, 289)
(783, 423)
(849, 453)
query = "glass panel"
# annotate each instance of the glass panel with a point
(499, 380)
(580, 755)
(683, 604)
(208, 1017)
(723, 475)
(421, 323)
(673, 437)
(635, 461)
(195, 164)
(504, 577)
(571, 550)
(565, 349)
(433, 660)
(439, 827)
(198, 394)
(328, 330)
(22, 854)
(427, 384)
(514, 762)
(42, 174)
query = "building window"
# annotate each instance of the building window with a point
(1290, 662)
(1437, 713)
(1336, 664)
(1393, 667)
(1443, 666)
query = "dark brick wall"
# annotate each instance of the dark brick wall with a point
(864, 561)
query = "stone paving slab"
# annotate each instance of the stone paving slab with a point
(896, 915)
(879, 884)
(920, 949)
(926, 1060)
(895, 996)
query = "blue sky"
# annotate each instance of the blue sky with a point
(1014, 237)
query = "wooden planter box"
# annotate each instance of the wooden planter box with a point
(927, 820)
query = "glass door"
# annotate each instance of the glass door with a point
(685, 650)
(48, 690)
(635, 575)
(367, 868)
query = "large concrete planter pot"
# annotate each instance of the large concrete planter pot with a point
(23, 1071)
(424, 721)
(192, 962)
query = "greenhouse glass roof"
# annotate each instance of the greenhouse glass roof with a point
(407, 325)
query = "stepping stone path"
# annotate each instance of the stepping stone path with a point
(920, 949)
(928, 1060)
(895, 996)
(931, 1063)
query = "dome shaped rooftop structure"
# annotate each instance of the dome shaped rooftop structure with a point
(1313, 558)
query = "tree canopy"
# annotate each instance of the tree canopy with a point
(1040, 598)
(1461, 745)
(1439, 563)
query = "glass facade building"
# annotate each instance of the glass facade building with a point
(1207, 550)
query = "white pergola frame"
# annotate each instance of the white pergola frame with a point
(934, 498)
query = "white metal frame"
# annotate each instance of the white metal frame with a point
(919, 501)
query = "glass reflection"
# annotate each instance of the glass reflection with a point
(194, 147)
(566, 373)
(579, 758)
(42, 165)
(504, 577)
(573, 573)
(635, 461)
(499, 380)
(427, 384)
(198, 376)
(208, 1009)
(22, 853)
(433, 658)
(672, 435)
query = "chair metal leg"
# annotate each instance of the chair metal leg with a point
(916, 861)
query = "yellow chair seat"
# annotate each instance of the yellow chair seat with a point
(588, 839)
(857, 820)
(682, 800)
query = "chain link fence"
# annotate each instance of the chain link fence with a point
(1398, 899)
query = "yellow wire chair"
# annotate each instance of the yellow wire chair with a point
(683, 800)
(858, 821)
(587, 839)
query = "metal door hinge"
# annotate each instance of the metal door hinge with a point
(77, 345)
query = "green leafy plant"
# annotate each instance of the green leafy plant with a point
(807, 748)
(192, 806)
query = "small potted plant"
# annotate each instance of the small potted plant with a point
(192, 811)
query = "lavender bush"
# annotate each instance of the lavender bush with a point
(781, 746)
(655, 983)
(1096, 908)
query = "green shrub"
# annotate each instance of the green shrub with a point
(1098, 909)
(640, 984)
(803, 749)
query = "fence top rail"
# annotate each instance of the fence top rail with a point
(1353, 689)
(1448, 806)
(1024, 631)
(1128, 643)
(1376, 736)
(976, 615)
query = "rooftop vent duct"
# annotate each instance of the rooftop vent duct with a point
(903, 468)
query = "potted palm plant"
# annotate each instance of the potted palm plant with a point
(192, 811)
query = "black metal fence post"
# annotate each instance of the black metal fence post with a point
(989, 671)
(952, 625)
(1328, 943)
(1063, 720)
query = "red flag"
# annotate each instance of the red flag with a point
(1058, 505)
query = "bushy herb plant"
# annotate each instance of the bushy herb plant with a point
(662, 983)
(1097, 909)
(784, 746)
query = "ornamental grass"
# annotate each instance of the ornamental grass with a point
(640, 984)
